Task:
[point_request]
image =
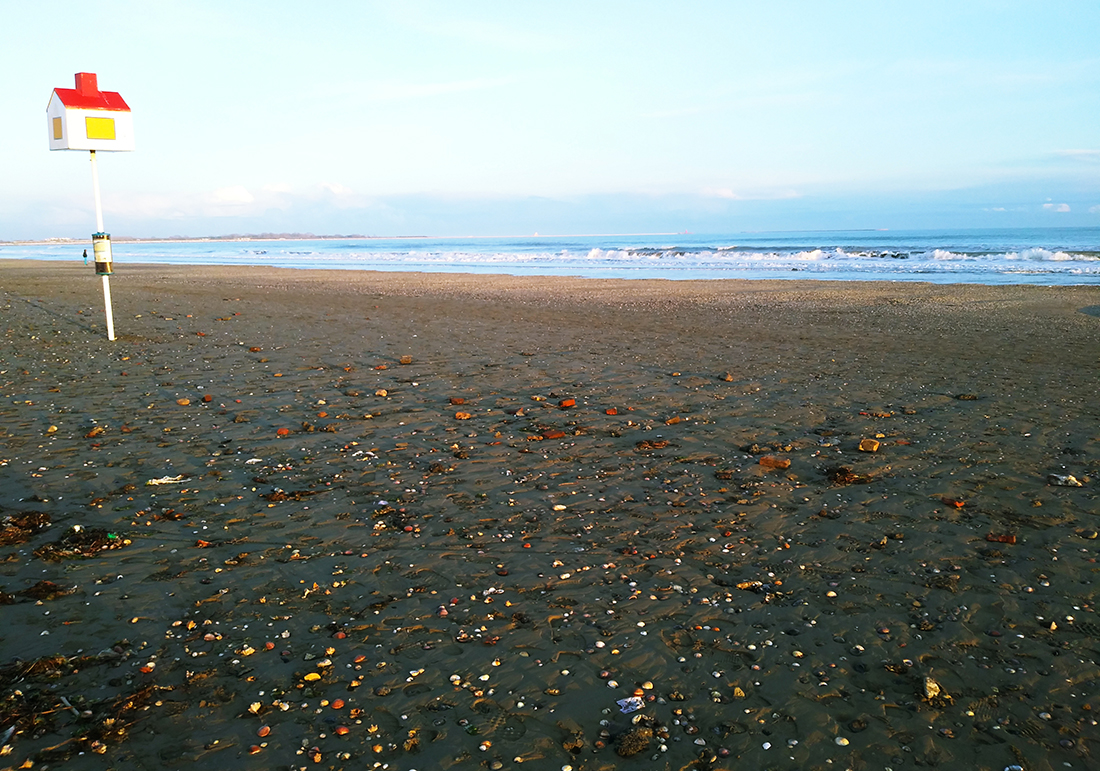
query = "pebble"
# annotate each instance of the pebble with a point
(841, 741)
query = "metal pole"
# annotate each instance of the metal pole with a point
(99, 229)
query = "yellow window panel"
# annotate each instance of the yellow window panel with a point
(100, 128)
(57, 128)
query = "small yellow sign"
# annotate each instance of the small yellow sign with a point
(99, 128)
(57, 128)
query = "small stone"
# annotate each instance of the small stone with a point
(405, 360)
(869, 445)
(381, 392)
(463, 416)
(770, 461)
(841, 741)
(1064, 480)
(183, 402)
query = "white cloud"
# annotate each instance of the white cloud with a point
(336, 189)
(234, 195)
(758, 195)
(1085, 156)
(1058, 207)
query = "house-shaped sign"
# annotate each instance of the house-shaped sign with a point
(85, 118)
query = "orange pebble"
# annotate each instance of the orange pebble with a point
(283, 431)
(342, 730)
(360, 658)
(264, 731)
(255, 749)
(611, 411)
(269, 646)
(338, 704)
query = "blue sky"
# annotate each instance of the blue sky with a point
(503, 118)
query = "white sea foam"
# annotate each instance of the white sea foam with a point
(1022, 256)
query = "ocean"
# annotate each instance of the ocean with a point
(1041, 256)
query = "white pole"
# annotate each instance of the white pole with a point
(95, 190)
(107, 307)
(99, 229)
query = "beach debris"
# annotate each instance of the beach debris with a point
(1000, 538)
(673, 420)
(567, 403)
(868, 445)
(167, 480)
(844, 475)
(647, 445)
(44, 591)
(51, 430)
(97, 431)
(19, 528)
(933, 693)
(573, 742)
(294, 495)
(457, 401)
(80, 541)
(955, 502)
(630, 704)
(967, 397)
(405, 360)
(634, 742)
(728, 377)
(463, 416)
(1064, 480)
(611, 411)
(771, 461)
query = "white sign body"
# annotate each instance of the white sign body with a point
(85, 118)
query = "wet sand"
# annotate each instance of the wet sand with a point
(646, 485)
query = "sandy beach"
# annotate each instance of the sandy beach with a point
(325, 519)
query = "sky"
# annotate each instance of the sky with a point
(508, 118)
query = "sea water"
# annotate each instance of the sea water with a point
(1045, 256)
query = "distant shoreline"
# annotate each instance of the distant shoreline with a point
(311, 237)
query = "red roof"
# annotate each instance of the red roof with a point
(87, 96)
